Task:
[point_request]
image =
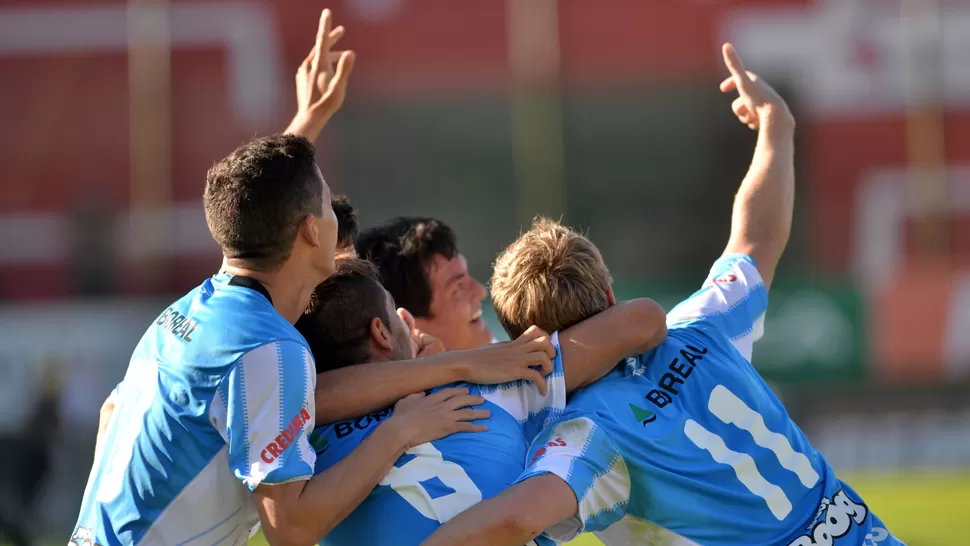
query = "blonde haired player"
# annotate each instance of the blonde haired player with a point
(685, 444)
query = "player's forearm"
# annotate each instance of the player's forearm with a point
(305, 126)
(516, 516)
(497, 533)
(485, 524)
(592, 348)
(332, 495)
(335, 493)
(764, 204)
(767, 194)
(358, 390)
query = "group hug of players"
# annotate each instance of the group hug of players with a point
(280, 393)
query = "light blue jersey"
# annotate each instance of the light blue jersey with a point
(435, 481)
(218, 398)
(687, 445)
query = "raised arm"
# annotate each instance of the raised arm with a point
(762, 218)
(358, 390)
(321, 81)
(592, 348)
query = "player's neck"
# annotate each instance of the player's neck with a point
(289, 287)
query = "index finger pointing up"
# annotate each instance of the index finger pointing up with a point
(733, 62)
(321, 49)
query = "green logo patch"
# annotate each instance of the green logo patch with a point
(642, 415)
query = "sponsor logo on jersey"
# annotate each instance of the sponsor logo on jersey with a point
(723, 278)
(634, 366)
(83, 537)
(177, 324)
(319, 443)
(558, 442)
(680, 371)
(346, 428)
(274, 449)
(643, 415)
(875, 536)
(837, 517)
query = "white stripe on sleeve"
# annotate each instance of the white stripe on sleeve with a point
(260, 370)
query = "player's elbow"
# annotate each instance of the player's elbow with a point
(641, 326)
(519, 523)
(652, 321)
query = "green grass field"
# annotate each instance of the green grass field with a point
(920, 508)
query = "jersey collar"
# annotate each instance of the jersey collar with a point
(250, 283)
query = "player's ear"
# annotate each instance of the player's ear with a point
(309, 231)
(609, 296)
(380, 335)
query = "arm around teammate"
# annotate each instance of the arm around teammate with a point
(547, 497)
(304, 511)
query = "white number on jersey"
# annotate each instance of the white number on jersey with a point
(730, 409)
(427, 464)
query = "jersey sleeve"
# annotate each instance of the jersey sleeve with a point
(523, 401)
(582, 454)
(115, 394)
(269, 409)
(733, 300)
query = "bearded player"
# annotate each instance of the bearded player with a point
(686, 444)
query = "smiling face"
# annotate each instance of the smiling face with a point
(456, 305)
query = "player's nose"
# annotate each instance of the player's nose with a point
(478, 291)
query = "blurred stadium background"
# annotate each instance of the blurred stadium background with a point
(484, 114)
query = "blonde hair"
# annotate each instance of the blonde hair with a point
(551, 277)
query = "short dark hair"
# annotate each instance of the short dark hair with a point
(346, 214)
(336, 324)
(402, 249)
(256, 197)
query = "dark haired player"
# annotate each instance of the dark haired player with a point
(352, 320)
(210, 430)
(423, 269)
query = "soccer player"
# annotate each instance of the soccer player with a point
(418, 258)
(317, 100)
(352, 320)
(347, 231)
(423, 269)
(210, 430)
(686, 444)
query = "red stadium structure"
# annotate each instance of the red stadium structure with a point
(70, 142)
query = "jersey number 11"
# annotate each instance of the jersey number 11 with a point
(730, 409)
